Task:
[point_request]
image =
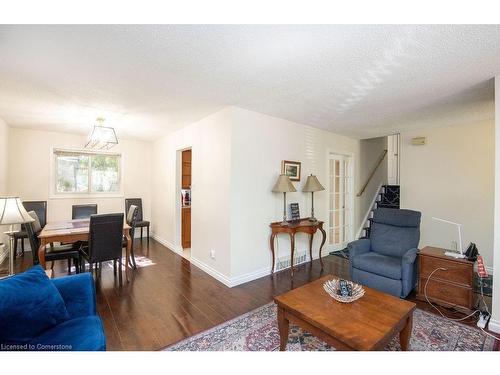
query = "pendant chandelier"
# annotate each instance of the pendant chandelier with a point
(101, 137)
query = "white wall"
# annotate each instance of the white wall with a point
(210, 143)
(4, 151)
(29, 171)
(370, 151)
(451, 177)
(237, 157)
(258, 145)
(494, 324)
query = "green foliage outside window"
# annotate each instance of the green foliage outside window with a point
(87, 173)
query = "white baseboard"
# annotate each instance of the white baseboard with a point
(231, 281)
(241, 279)
(167, 244)
(494, 325)
(212, 272)
(228, 281)
(245, 278)
(250, 276)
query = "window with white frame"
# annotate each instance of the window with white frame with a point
(78, 172)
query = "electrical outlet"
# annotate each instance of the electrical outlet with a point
(212, 254)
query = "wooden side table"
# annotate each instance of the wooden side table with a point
(294, 227)
(451, 285)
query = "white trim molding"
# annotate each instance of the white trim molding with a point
(227, 280)
(494, 325)
(247, 277)
(212, 272)
(230, 281)
(167, 244)
(240, 279)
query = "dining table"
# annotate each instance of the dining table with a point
(71, 231)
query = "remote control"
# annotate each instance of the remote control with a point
(344, 291)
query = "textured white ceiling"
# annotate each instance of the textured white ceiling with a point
(360, 81)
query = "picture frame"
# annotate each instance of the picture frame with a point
(291, 169)
(294, 212)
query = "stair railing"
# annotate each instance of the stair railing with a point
(368, 212)
(379, 161)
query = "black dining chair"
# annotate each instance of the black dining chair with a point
(141, 223)
(105, 242)
(54, 252)
(40, 207)
(83, 211)
(131, 220)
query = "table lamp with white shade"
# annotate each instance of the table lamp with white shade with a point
(12, 212)
(284, 185)
(312, 185)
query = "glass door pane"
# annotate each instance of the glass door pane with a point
(340, 210)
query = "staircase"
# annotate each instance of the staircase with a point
(388, 197)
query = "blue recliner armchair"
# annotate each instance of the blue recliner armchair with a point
(387, 260)
(38, 313)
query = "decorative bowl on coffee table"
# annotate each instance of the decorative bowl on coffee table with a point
(332, 287)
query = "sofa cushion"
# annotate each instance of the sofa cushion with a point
(381, 283)
(37, 227)
(393, 232)
(393, 240)
(379, 264)
(84, 333)
(398, 218)
(29, 304)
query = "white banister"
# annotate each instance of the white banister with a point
(370, 208)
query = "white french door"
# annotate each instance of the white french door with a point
(340, 218)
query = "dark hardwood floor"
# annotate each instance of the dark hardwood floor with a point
(172, 300)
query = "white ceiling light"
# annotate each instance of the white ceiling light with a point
(101, 137)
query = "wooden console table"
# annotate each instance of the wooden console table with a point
(294, 227)
(451, 283)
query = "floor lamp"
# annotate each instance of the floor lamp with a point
(12, 212)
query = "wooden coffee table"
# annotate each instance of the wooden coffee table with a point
(369, 323)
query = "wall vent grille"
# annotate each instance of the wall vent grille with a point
(284, 261)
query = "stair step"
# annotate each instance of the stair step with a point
(389, 206)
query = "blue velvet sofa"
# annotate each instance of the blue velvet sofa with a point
(387, 260)
(38, 313)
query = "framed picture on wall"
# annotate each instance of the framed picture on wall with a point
(291, 169)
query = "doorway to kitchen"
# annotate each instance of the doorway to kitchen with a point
(185, 196)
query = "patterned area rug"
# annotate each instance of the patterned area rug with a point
(344, 253)
(258, 331)
(140, 260)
